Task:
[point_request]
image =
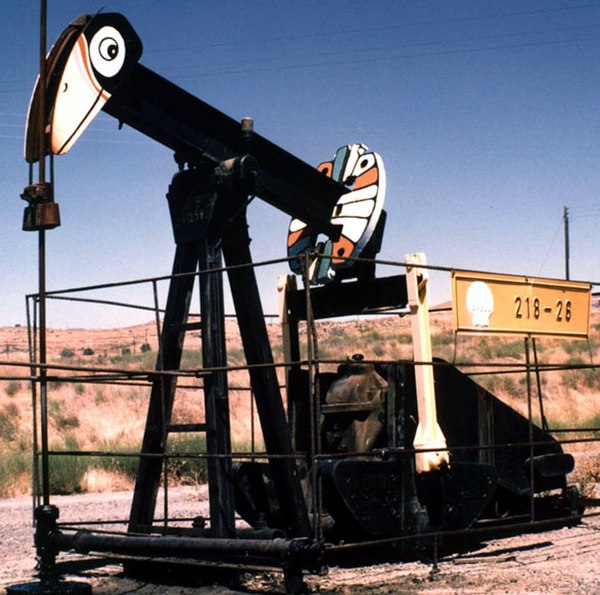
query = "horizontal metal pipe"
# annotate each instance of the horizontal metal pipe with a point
(278, 551)
(265, 533)
(242, 533)
(480, 531)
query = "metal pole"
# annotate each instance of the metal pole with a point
(530, 420)
(42, 94)
(314, 397)
(263, 378)
(539, 385)
(216, 390)
(42, 264)
(567, 247)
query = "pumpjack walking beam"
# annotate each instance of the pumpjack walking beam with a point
(193, 128)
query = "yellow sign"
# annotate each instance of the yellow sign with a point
(512, 304)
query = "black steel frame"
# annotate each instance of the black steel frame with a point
(302, 552)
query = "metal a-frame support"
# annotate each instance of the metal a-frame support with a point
(191, 256)
(209, 219)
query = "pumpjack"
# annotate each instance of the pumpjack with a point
(397, 453)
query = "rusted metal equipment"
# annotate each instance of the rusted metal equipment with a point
(395, 452)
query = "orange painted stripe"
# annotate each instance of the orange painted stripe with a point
(86, 62)
(294, 237)
(326, 167)
(369, 177)
(343, 247)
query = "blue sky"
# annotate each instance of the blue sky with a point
(485, 113)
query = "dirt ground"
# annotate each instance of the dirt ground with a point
(560, 561)
(563, 560)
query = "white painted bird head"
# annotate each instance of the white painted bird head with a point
(88, 62)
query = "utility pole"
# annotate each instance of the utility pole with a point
(567, 255)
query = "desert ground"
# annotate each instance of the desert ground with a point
(562, 560)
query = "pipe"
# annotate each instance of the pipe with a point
(277, 552)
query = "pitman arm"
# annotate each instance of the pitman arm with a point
(429, 435)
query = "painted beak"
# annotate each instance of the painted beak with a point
(78, 100)
(84, 67)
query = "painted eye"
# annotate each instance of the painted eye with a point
(364, 163)
(107, 51)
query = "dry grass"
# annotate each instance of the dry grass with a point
(102, 480)
(110, 417)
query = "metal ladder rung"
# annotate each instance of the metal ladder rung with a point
(180, 428)
(186, 326)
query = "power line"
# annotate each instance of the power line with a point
(386, 49)
(558, 228)
(384, 58)
(363, 30)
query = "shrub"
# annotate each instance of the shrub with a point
(572, 347)
(372, 336)
(489, 382)
(12, 410)
(579, 378)
(8, 426)
(63, 421)
(326, 353)
(99, 397)
(406, 338)
(66, 471)
(442, 339)
(508, 384)
(485, 350)
(336, 340)
(191, 359)
(144, 347)
(13, 465)
(379, 349)
(67, 353)
(88, 351)
(12, 388)
(512, 349)
(188, 470)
